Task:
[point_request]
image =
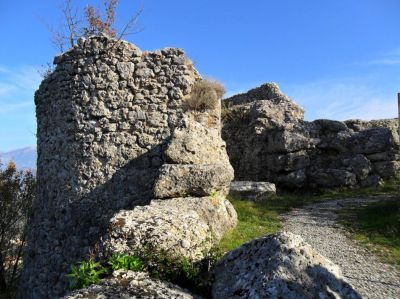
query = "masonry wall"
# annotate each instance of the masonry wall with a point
(268, 140)
(103, 116)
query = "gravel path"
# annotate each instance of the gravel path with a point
(317, 224)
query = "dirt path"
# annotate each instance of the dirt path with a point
(317, 224)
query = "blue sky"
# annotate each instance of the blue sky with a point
(338, 59)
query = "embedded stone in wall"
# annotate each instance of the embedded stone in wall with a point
(180, 180)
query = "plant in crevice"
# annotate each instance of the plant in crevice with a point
(127, 262)
(17, 193)
(205, 94)
(85, 274)
(160, 264)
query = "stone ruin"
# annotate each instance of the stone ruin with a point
(268, 140)
(125, 164)
(122, 162)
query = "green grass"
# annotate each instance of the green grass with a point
(256, 219)
(377, 226)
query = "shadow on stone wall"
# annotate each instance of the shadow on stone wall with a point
(73, 231)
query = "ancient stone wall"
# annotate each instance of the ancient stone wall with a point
(268, 140)
(104, 117)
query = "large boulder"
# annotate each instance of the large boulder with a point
(279, 266)
(332, 178)
(260, 125)
(186, 227)
(180, 180)
(252, 190)
(129, 284)
(268, 102)
(194, 143)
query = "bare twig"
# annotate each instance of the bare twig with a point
(129, 25)
(71, 17)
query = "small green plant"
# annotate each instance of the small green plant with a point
(85, 274)
(127, 262)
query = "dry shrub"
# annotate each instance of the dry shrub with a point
(205, 94)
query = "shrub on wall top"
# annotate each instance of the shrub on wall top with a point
(205, 94)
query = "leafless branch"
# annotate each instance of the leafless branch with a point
(71, 17)
(128, 26)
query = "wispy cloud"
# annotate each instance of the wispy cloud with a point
(15, 106)
(343, 99)
(17, 86)
(390, 58)
(387, 61)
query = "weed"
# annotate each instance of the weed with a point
(205, 94)
(127, 262)
(85, 274)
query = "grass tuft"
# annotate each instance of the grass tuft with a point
(205, 94)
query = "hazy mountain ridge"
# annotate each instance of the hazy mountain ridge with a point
(23, 157)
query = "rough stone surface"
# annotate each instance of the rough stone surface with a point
(318, 225)
(183, 226)
(268, 140)
(196, 144)
(180, 180)
(105, 117)
(252, 190)
(131, 285)
(279, 266)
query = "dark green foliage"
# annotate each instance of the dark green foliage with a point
(127, 262)
(195, 276)
(85, 274)
(160, 264)
(17, 192)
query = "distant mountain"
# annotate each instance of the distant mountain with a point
(23, 157)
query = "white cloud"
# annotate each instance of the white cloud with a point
(385, 61)
(345, 99)
(6, 88)
(25, 77)
(390, 58)
(15, 106)
(17, 85)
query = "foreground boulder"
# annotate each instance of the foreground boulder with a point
(279, 266)
(187, 227)
(252, 190)
(129, 284)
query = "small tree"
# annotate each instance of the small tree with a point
(93, 22)
(17, 191)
